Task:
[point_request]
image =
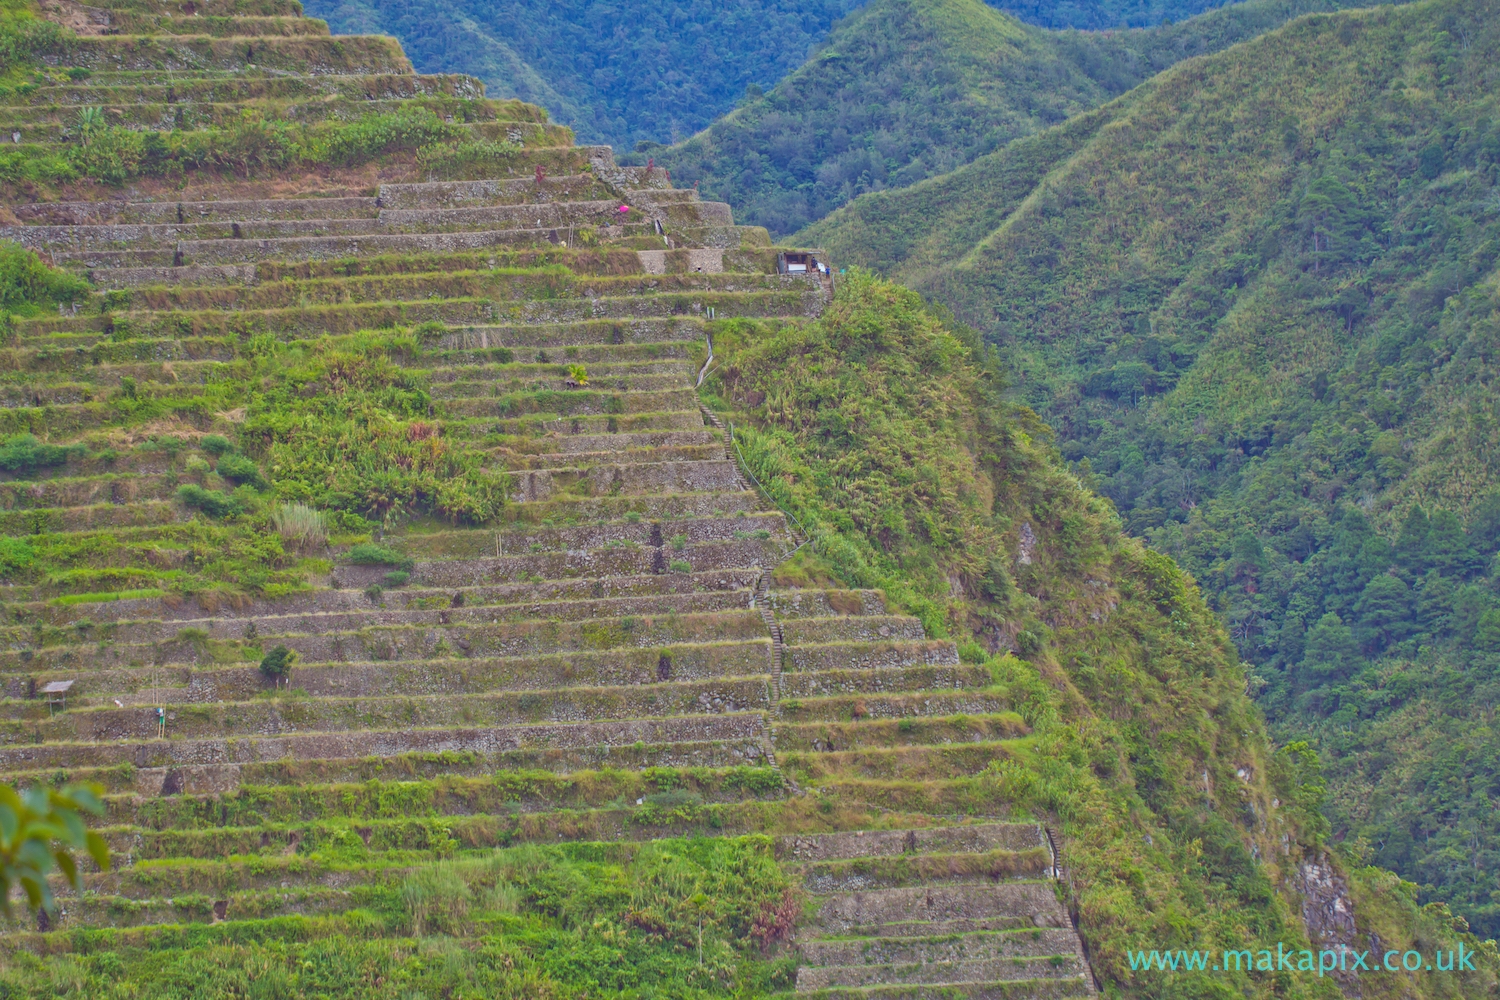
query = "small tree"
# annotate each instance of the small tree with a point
(39, 830)
(278, 663)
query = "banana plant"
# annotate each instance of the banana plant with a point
(90, 122)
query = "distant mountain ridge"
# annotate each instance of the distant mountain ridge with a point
(623, 73)
(910, 89)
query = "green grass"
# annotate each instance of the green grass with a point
(113, 595)
(307, 407)
(550, 921)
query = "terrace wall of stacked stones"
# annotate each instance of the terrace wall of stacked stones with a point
(606, 660)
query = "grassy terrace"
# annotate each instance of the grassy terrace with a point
(400, 390)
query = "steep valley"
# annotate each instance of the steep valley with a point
(471, 567)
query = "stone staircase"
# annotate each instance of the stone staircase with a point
(872, 711)
(530, 679)
(959, 911)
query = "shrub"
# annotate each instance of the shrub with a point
(27, 284)
(211, 502)
(300, 525)
(215, 444)
(371, 554)
(680, 566)
(242, 470)
(396, 578)
(24, 453)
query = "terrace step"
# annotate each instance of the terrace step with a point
(1049, 989)
(588, 332)
(341, 611)
(524, 594)
(837, 736)
(803, 684)
(965, 868)
(107, 88)
(888, 705)
(218, 779)
(693, 476)
(399, 640)
(980, 946)
(382, 743)
(205, 8)
(884, 654)
(852, 628)
(349, 54)
(939, 974)
(866, 913)
(917, 762)
(331, 715)
(220, 26)
(210, 683)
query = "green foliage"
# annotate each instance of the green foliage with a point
(23, 453)
(24, 38)
(211, 502)
(343, 426)
(371, 554)
(215, 444)
(847, 404)
(16, 556)
(27, 285)
(466, 160)
(276, 664)
(241, 470)
(40, 829)
(542, 922)
(1092, 16)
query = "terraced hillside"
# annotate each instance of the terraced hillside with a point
(535, 603)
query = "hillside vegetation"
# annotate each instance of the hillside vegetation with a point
(885, 432)
(910, 89)
(1098, 14)
(1257, 297)
(427, 634)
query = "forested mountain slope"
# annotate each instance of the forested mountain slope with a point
(618, 73)
(1259, 296)
(909, 89)
(626, 74)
